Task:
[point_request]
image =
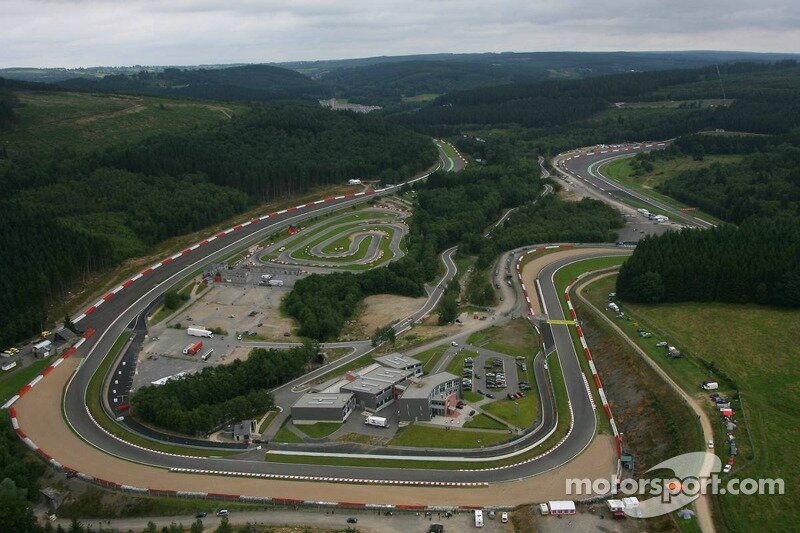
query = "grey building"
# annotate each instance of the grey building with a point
(376, 386)
(245, 430)
(433, 395)
(323, 407)
(399, 361)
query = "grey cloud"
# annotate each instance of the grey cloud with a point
(116, 32)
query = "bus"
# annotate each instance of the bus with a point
(478, 518)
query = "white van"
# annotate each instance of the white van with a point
(478, 518)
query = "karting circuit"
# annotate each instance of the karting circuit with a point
(366, 238)
(329, 235)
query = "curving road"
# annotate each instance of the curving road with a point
(584, 165)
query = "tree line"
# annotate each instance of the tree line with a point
(66, 216)
(202, 402)
(757, 262)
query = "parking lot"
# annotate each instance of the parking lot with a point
(485, 363)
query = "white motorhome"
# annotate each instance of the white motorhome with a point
(377, 421)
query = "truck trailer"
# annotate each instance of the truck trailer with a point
(199, 332)
(192, 349)
(377, 421)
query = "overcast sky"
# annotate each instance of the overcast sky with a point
(74, 33)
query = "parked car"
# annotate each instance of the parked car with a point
(201, 514)
(490, 395)
(454, 343)
(352, 520)
(223, 512)
(504, 518)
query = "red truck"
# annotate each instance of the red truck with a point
(193, 348)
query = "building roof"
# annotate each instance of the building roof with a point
(423, 387)
(244, 427)
(377, 379)
(324, 399)
(397, 360)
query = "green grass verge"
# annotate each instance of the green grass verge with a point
(755, 346)
(17, 378)
(286, 435)
(93, 402)
(430, 358)
(521, 415)
(319, 430)
(470, 396)
(515, 338)
(481, 421)
(364, 360)
(432, 437)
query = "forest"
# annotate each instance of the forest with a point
(765, 184)
(19, 480)
(203, 402)
(763, 101)
(249, 83)
(67, 216)
(757, 262)
(274, 151)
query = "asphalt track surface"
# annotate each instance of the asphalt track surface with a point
(584, 165)
(117, 313)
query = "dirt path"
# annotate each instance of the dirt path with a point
(703, 504)
(135, 108)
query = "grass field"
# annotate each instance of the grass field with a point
(431, 437)
(86, 122)
(319, 430)
(17, 378)
(481, 421)
(364, 360)
(521, 415)
(622, 171)
(429, 358)
(753, 346)
(516, 338)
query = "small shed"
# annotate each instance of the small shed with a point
(52, 498)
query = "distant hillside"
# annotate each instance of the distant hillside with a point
(387, 82)
(245, 83)
(382, 80)
(763, 100)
